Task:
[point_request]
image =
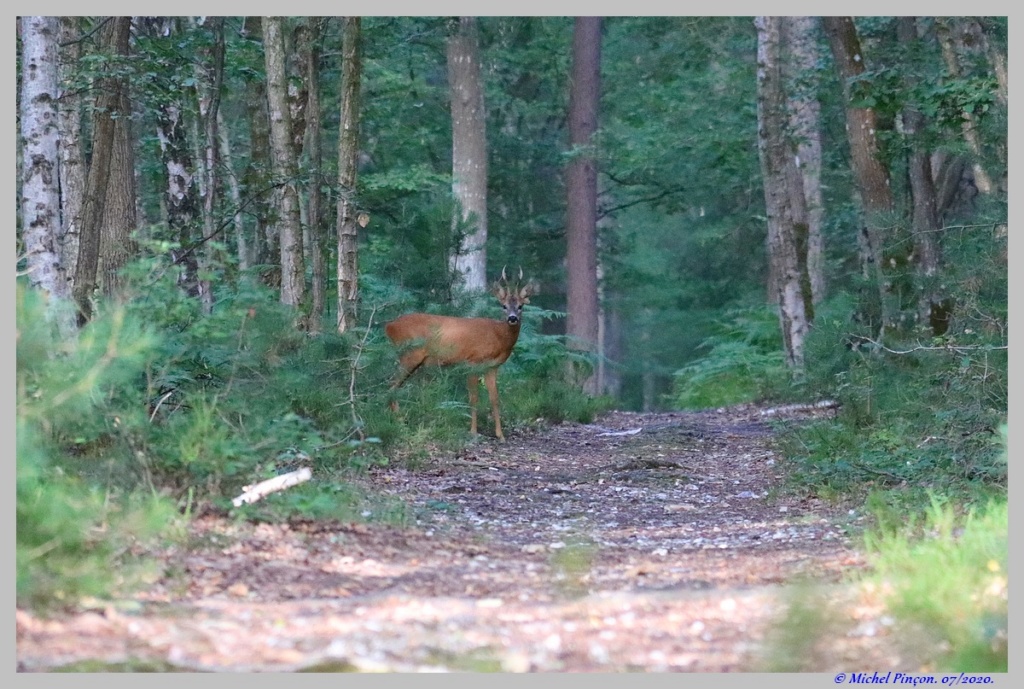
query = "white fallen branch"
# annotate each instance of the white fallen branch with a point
(632, 431)
(272, 485)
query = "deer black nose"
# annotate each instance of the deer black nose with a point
(513, 319)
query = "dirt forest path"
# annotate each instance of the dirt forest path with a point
(641, 542)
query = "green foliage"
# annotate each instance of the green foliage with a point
(744, 361)
(74, 538)
(945, 579)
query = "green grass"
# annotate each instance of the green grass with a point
(945, 579)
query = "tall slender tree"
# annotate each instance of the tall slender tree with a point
(114, 33)
(69, 146)
(256, 174)
(348, 154)
(40, 198)
(925, 215)
(581, 186)
(869, 171)
(469, 154)
(210, 79)
(801, 83)
(783, 193)
(293, 286)
(309, 50)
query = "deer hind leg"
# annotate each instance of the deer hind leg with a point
(491, 381)
(474, 392)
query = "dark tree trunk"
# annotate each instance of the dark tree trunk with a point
(107, 103)
(310, 52)
(871, 175)
(581, 185)
(925, 217)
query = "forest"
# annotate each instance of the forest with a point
(217, 217)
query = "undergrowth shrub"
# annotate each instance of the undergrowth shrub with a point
(744, 362)
(917, 415)
(76, 537)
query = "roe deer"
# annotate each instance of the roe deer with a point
(445, 340)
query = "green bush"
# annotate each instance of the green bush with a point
(744, 363)
(76, 538)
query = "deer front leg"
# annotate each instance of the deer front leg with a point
(474, 391)
(491, 381)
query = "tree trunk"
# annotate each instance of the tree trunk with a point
(210, 77)
(310, 52)
(469, 155)
(581, 185)
(792, 290)
(107, 102)
(243, 248)
(871, 175)
(925, 218)
(120, 219)
(348, 153)
(256, 177)
(69, 147)
(40, 196)
(284, 165)
(798, 35)
(951, 42)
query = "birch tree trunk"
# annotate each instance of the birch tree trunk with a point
(802, 85)
(581, 185)
(778, 169)
(348, 152)
(284, 165)
(40, 196)
(469, 155)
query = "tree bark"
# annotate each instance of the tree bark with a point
(120, 218)
(210, 78)
(40, 197)
(107, 103)
(348, 153)
(950, 40)
(581, 185)
(69, 147)
(309, 49)
(469, 155)
(800, 44)
(871, 175)
(925, 217)
(284, 165)
(256, 177)
(792, 290)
